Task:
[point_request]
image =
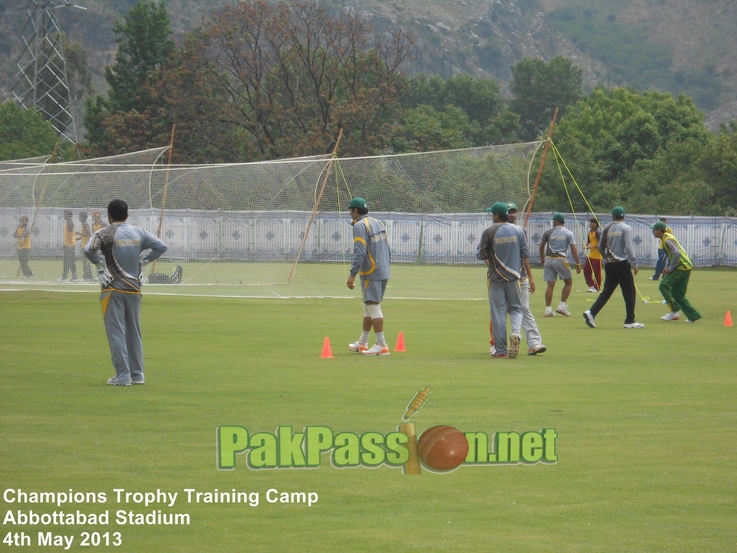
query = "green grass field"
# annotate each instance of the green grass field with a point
(269, 280)
(646, 422)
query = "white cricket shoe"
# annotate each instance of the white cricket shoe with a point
(377, 349)
(563, 310)
(593, 290)
(358, 346)
(115, 382)
(634, 325)
(589, 318)
(534, 350)
(671, 316)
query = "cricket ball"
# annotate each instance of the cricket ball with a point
(442, 447)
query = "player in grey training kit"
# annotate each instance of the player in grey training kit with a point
(371, 261)
(529, 324)
(504, 249)
(116, 252)
(554, 246)
(619, 259)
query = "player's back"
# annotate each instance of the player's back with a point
(510, 247)
(121, 245)
(557, 240)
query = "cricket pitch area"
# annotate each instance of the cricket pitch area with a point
(646, 425)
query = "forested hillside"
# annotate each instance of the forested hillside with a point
(265, 81)
(676, 46)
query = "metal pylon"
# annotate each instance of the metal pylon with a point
(41, 77)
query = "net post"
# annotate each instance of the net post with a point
(317, 204)
(52, 159)
(540, 169)
(166, 189)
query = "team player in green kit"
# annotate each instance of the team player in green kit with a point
(677, 272)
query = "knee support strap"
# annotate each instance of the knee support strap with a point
(373, 310)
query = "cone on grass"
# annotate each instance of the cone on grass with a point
(400, 343)
(327, 353)
(728, 319)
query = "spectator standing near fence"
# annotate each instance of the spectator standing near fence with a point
(97, 223)
(68, 249)
(592, 267)
(23, 235)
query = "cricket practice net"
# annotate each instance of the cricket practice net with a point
(271, 229)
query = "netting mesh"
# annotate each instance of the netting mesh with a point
(257, 229)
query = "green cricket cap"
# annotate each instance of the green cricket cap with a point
(512, 206)
(660, 225)
(618, 211)
(559, 217)
(499, 208)
(357, 202)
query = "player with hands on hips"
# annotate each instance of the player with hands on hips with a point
(116, 252)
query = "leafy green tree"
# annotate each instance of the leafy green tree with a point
(718, 165)
(607, 139)
(479, 99)
(145, 48)
(24, 133)
(669, 182)
(145, 45)
(538, 88)
(78, 72)
(424, 128)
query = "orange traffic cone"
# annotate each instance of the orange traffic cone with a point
(400, 343)
(728, 319)
(327, 353)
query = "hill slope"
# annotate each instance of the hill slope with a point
(679, 46)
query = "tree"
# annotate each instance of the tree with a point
(24, 133)
(424, 129)
(607, 139)
(479, 99)
(538, 88)
(718, 165)
(78, 72)
(145, 47)
(267, 81)
(670, 182)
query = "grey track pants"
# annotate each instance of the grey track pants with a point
(504, 298)
(122, 315)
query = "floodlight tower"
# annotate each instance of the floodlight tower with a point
(41, 76)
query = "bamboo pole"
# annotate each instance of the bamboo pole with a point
(52, 159)
(540, 169)
(166, 189)
(46, 182)
(317, 204)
